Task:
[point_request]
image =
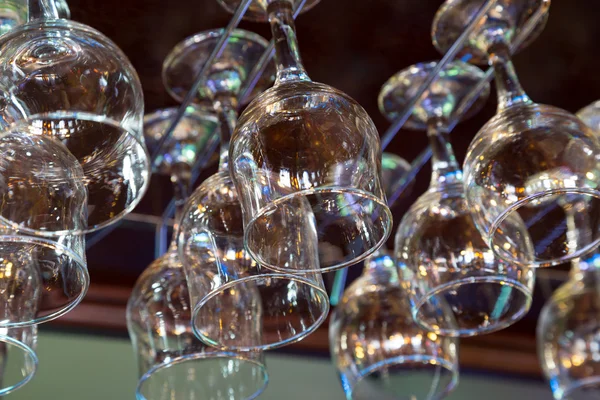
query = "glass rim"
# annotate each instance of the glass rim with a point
(460, 332)
(419, 359)
(85, 116)
(65, 24)
(386, 216)
(263, 15)
(204, 356)
(321, 292)
(494, 226)
(79, 264)
(29, 354)
(177, 51)
(575, 386)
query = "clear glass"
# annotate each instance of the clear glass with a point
(173, 364)
(393, 169)
(529, 158)
(278, 308)
(281, 308)
(590, 115)
(41, 190)
(302, 139)
(72, 83)
(256, 12)
(18, 359)
(12, 14)
(377, 348)
(568, 334)
(483, 293)
(190, 137)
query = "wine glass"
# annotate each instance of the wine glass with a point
(378, 350)
(173, 364)
(41, 184)
(393, 169)
(568, 331)
(528, 157)
(284, 307)
(305, 139)
(18, 359)
(590, 115)
(438, 247)
(256, 11)
(73, 84)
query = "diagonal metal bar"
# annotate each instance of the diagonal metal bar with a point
(161, 242)
(260, 67)
(419, 162)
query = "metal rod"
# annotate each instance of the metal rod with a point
(424, 156)
(199, 80)
(256, 73)
(433, 75)
(260, 67)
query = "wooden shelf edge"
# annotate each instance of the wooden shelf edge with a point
(501, 352)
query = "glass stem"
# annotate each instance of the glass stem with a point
(225, 106)
(287, 55)
(42, 9)
(509, 89)
(444, 168)
(181, 176)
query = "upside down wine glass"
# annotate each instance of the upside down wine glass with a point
(438, 248)
(281, 308)
(568, 331)
(302, 139)
(529, 158)
(71, 83)
(173, 364)
(378, 350)
(41, 278)
(18, 359)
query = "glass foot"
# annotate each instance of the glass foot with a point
(228, 72)
(455, 82)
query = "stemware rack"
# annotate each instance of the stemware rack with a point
(163, 223)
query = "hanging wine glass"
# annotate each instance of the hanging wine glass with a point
(256, 11)
(42, 185)
(18, 359)
(438, 247)
(285, 307)
(527, 157)
(393, 169)
(378, 350)
(191, 135)
(590, 115)
(173, 364)
(306, 139)
(72, 83)
(568, 331)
